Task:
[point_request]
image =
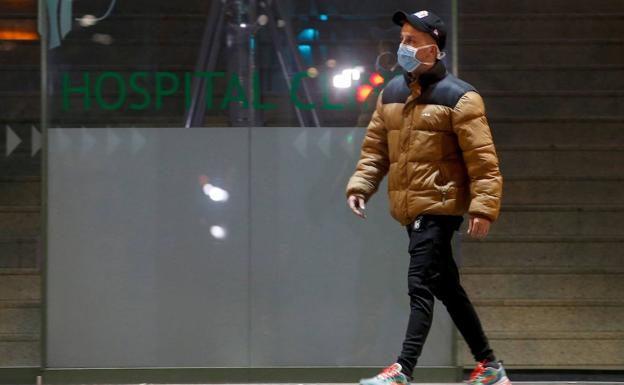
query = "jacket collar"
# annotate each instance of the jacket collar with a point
(432, 75)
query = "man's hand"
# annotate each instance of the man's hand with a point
(356, 204)
(478, 227)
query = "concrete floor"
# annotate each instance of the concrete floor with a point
(440, 383)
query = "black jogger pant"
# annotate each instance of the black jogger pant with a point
(433, 272)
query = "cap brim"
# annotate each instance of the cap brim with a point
(401, 17)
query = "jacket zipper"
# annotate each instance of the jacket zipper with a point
(409, 145)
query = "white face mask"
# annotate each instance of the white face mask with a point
(406, 56)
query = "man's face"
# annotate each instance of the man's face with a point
(415, 38)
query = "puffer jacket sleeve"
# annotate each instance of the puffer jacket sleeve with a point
(475, 139)
(373, 163)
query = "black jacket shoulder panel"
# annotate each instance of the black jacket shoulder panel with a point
(396, 91)
(446, 92)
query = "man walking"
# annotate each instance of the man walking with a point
(430, 135)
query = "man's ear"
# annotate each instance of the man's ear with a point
(439, 54)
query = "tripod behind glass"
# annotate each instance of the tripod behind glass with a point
(234, 16)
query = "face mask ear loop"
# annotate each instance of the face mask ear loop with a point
(439, 56)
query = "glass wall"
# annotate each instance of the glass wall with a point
(221, 247)
(196, 163)
(221, 63)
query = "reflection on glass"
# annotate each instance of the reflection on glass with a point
(218, 232)
(215, 193)
(222, 63)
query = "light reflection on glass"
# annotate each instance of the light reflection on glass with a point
(215, 193)
(218, 232)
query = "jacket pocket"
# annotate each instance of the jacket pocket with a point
(445, 185)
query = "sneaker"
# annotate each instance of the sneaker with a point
(476, 371)
(489, 373)
(391, 375)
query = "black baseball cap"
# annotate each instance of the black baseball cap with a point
(425, 21)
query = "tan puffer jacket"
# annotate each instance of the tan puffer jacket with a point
(433, 140)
